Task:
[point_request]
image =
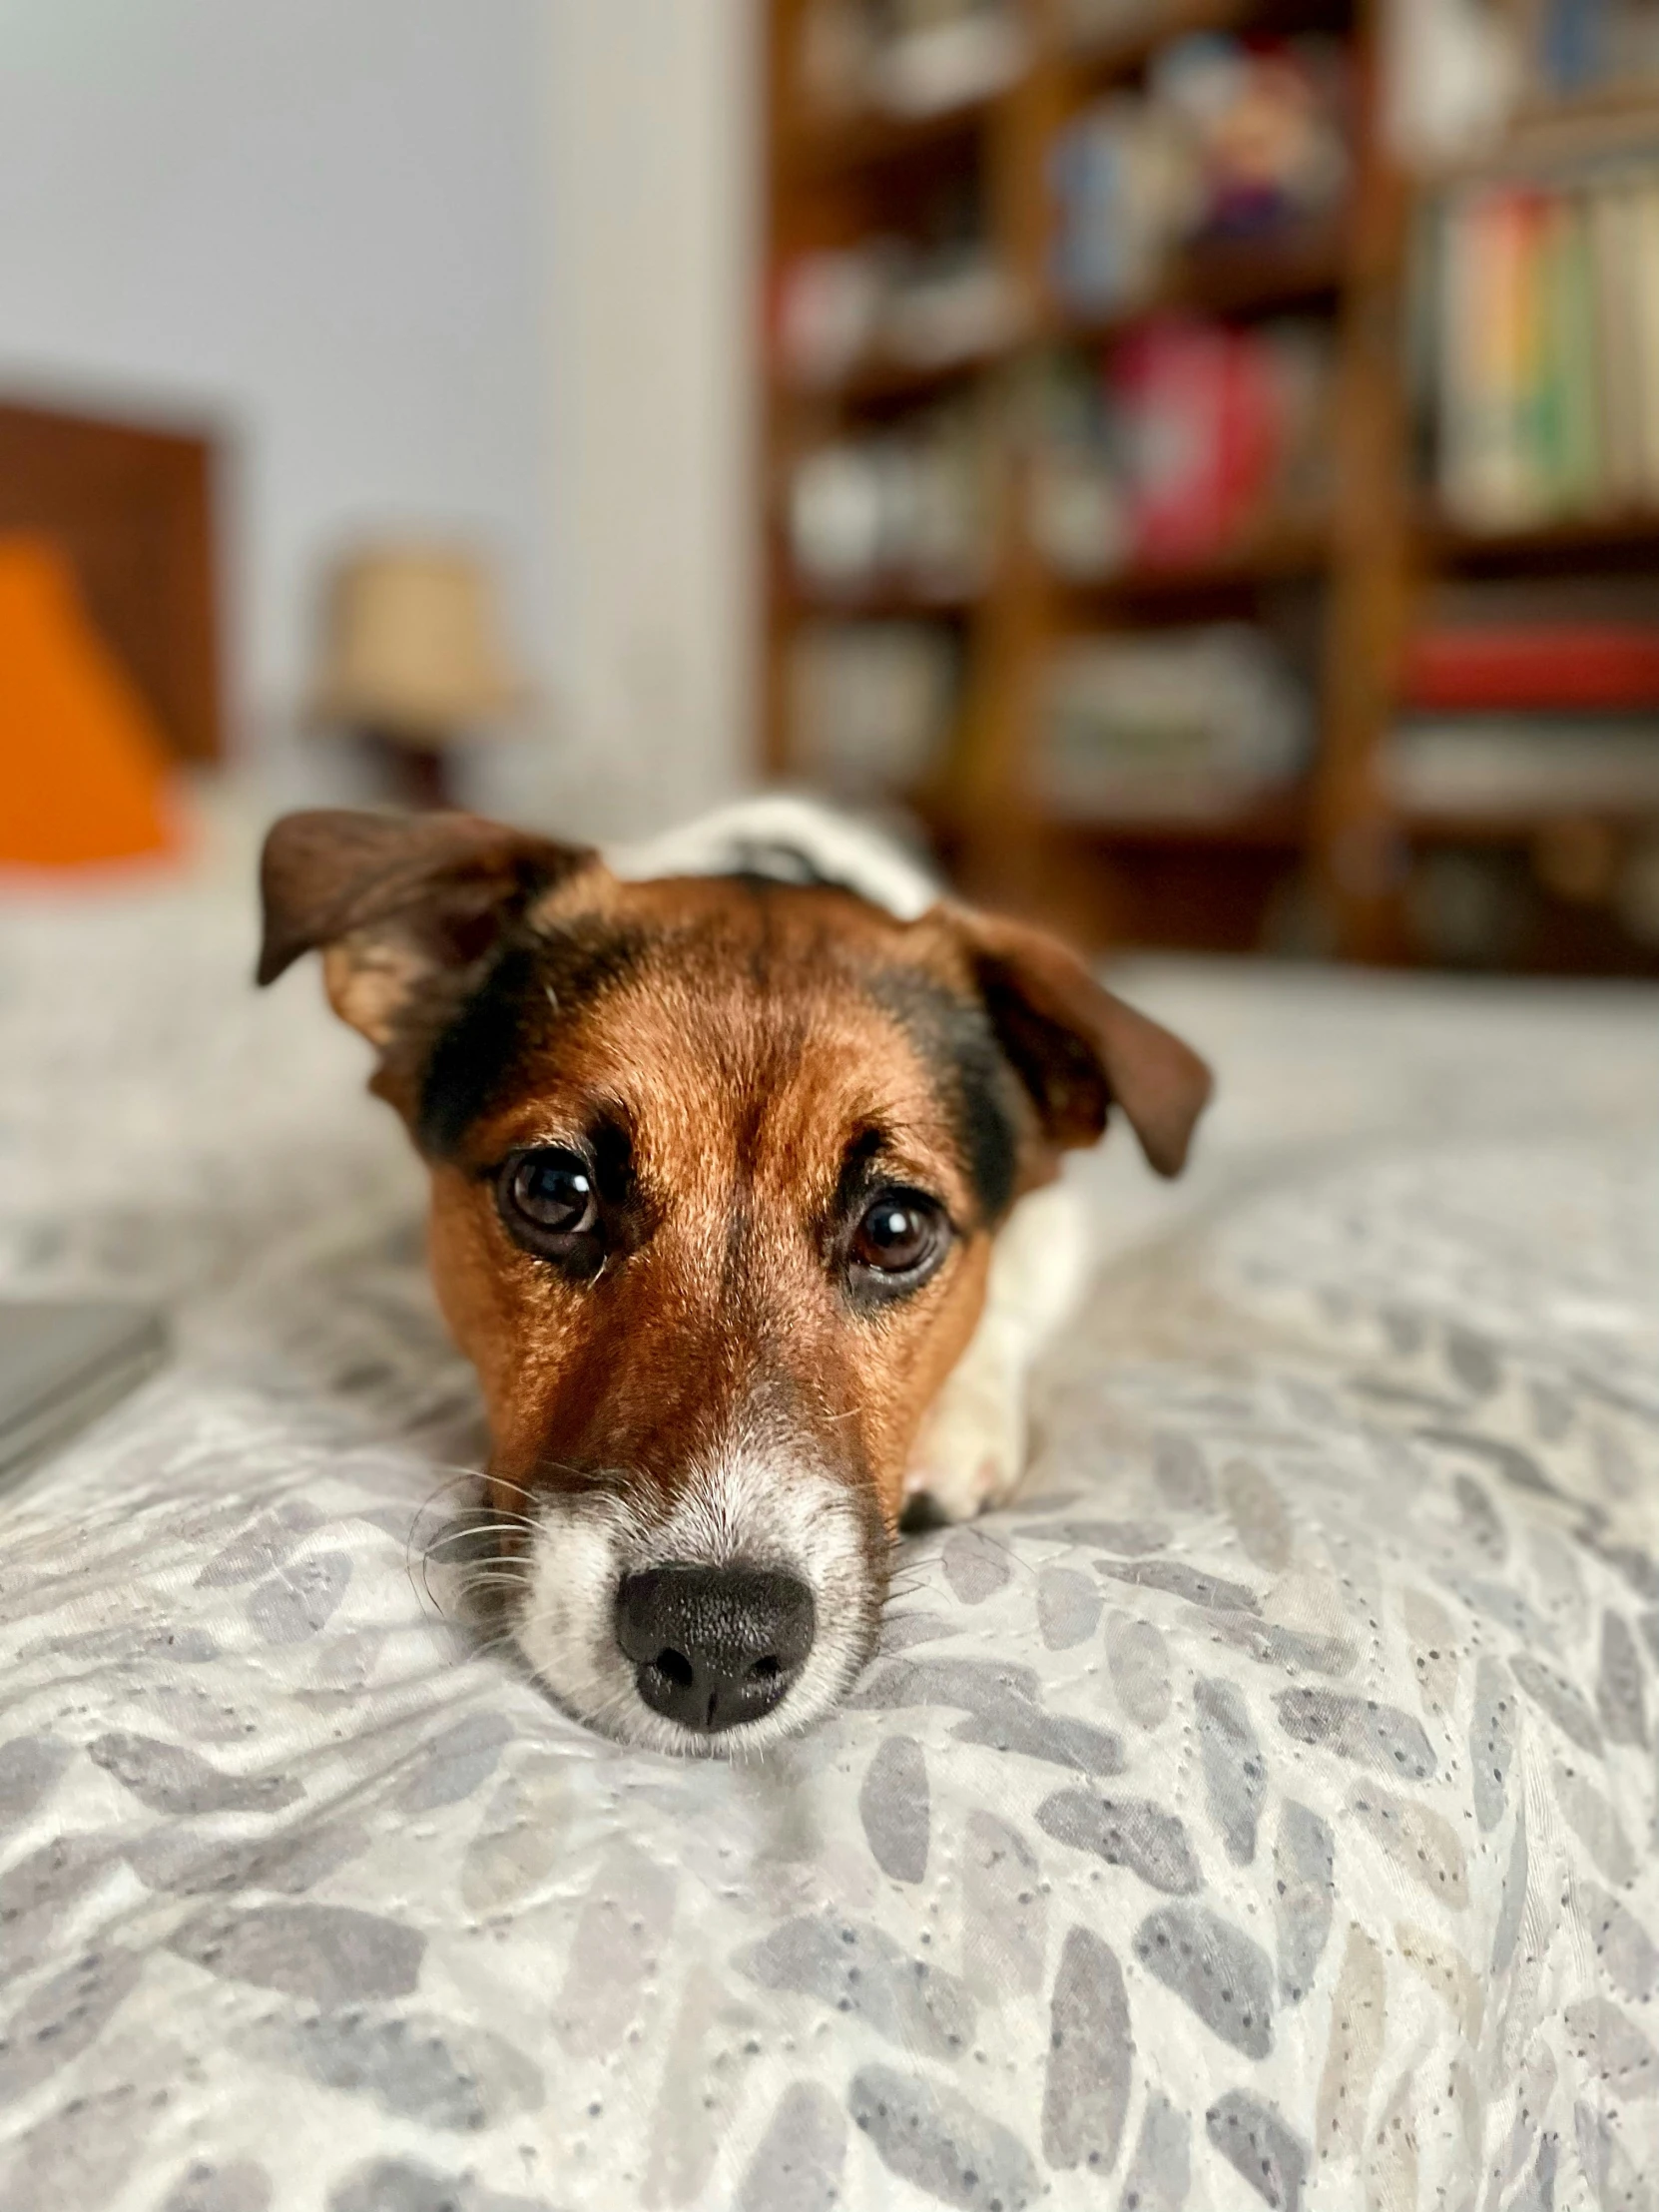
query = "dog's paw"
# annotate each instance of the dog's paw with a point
(971, 1452)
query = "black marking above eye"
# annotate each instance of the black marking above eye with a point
(954, 1038)
(548, 1199)
(538, 980)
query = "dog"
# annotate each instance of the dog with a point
(744, 1152)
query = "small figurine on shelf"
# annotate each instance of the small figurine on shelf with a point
(412, 663)
(1268, 118)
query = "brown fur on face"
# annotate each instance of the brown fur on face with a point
(743, 1057)
(745, 1065)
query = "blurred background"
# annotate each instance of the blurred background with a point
(1194, 462)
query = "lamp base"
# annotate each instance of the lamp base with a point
(413, 771)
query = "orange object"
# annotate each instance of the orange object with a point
(84, 770)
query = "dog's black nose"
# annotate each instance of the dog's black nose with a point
(712, 1646)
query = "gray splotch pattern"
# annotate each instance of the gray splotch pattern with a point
(1621, 1692)
(798, 2164)
(327, 1954)
(1125, 1832)
(976, 1564)
(1361, 1728)
(930, 2136)
(1565, 1704)
(1004, 1911)
(1160, 2172)
(1262, 1811)
(1234, 1773)
(1068, 1607)
(893, 1806)
(1216, 1968)
(1090, 2057)
(1252, 2137)
(1304, 1896)
(856, 1970)
(1493, 1729)
(1139, 1662)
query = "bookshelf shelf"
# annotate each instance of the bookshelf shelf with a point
(872, 140)
(1639, 98)
(1513, 826)
(1612, 535)
(1285, 554)
(1275, 824)
(880, 601)
(1239, 279)
(1106, 60)
(879, 384)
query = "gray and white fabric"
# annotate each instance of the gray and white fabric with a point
(1263, 1810)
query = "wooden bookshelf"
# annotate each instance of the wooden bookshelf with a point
(1334, 853)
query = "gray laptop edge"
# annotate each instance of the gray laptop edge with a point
(62, 1364)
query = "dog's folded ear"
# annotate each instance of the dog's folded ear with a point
(1079, 1050)
(392, 900)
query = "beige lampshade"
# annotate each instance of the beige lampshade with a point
(411, 645)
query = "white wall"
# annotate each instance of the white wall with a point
(653, 141)
(475, 264)
(318, 219)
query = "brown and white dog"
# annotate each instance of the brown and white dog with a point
(742, 1156)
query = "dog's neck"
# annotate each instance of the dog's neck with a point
(786, 840)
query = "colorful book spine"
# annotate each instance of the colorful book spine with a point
(1618, 370)
(1576, 416)
(1544, 348)
(1644, 276)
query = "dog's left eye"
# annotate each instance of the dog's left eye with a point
(547, 1198)
(900, 1233)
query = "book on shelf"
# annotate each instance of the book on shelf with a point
(1542, 346)
(1191, 724)
(872, 703)
(1543, 665)
(1192, 438)
(1515, 765)
(908, 507)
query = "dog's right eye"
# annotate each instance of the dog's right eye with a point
(548, 1200)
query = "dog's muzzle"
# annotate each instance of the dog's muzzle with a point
(715, 1646)
(714, 1620)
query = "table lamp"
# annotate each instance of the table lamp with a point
(413, 662)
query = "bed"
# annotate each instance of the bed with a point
(1261, 1810)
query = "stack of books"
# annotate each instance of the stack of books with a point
(1193, 440)
(1538, 345)
(1532, 702)
(908, 508)
(871, 705)
(1189, 724)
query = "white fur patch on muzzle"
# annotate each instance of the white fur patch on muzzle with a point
(749, 1509)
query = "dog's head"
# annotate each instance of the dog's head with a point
(716, 1167)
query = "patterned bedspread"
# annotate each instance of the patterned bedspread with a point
(1261, 1810)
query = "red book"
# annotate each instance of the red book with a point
(1554, 664)
(1198, 408)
